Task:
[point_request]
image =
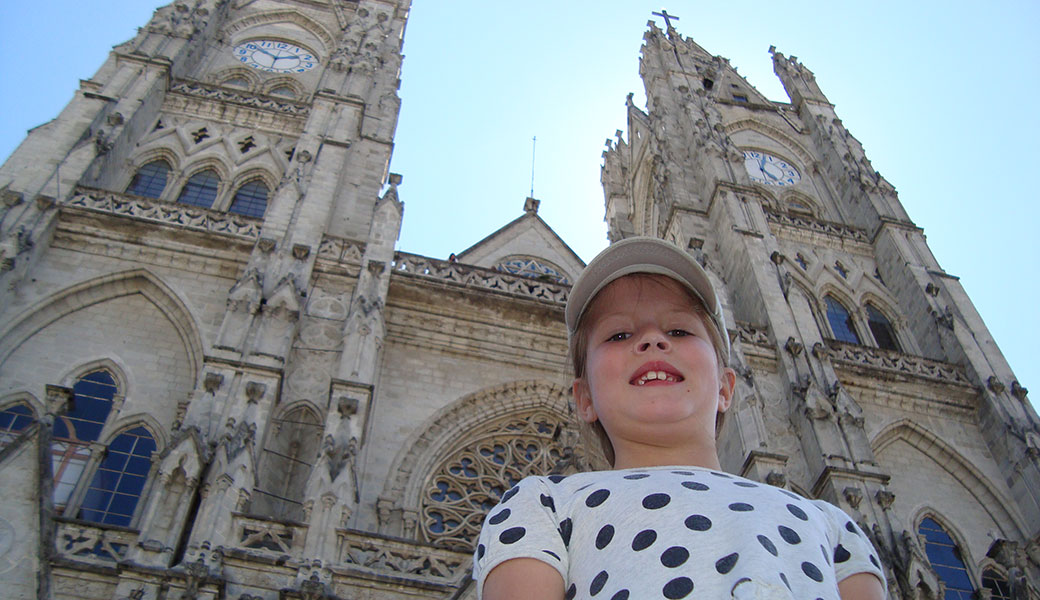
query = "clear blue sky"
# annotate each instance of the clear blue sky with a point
(941, 94)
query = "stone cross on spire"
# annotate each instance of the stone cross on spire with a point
(667, 18)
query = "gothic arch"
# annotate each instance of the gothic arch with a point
(253, 173)
(289, 82)
(319, 31)
(122, 424)
(222, 76)
(139, 160)
(970, 564)
(440, 434)
(789, 196)
(805, 158)
(988, 497)
(113, 366)
(14, 398)
(99, 289)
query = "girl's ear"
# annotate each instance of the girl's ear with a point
(727, 381)
(583, 400)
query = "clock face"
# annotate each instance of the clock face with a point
(769, 170)
(273, 56)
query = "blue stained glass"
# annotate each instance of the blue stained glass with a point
(841, 322)
(201, 189)
(150, 180)
(945, 557)
(120, 479)
(13, 420)
(250, 199)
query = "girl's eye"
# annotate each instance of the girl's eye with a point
(617, 337)
(678, 333)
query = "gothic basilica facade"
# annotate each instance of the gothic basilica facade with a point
(220, 379)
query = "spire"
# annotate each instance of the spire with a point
(799, 82)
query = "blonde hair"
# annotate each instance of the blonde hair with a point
(579, 350)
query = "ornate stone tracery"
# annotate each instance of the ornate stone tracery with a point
(470, 481)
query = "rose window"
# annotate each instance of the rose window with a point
(470, 481)
(533, 268)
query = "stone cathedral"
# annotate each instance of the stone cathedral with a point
(219, 379)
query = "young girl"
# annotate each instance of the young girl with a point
(650, 351)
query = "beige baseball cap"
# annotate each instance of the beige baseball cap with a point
(644, 255)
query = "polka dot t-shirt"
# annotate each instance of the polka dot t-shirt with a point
(675, 532)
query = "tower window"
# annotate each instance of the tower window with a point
(945, 557)
(739, 98)
(74, 431)
(881, 328)
(997, 584)
(708, 84)
(841, 322)
(119, 480)
(237, 81)
(201, 189)
(14, 420)
(250, 199)
(150, 180)
(284, 91)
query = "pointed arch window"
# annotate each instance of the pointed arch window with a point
(92, 398)
(291, 450)
(840, 321)
(882, 330)
(250, 199)
(13, 420)
(119, 479)
(945, 557)
(237, 81)
(283, 91)
(201, 189)
(150, 180)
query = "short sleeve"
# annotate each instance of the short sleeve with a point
(523, 525)
(853, 552)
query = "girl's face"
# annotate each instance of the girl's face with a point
(651, 374)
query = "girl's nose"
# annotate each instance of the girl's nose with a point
(653, 339)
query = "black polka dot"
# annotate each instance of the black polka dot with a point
(682, 472)
(841, 554)
(794, 510)
(767, 544)
(480, 551)
(722, 475)
(790, 535)
(698, 523)
(621, 595)
(850, 527)
(604, 536)
(674, 556)
(512, 535)
(726, 563)
(784, 579)
(565, 531)
(746, 484)
(557, 478)
(547, 502)
(571, 592)
(644, 539)
(637, 476)
(741, 507)
(596, 498)
(655, 501)
(598, 582)
(811, 571)
(695, 486)
(509, 494)
(873, 561)
(791, 495)
(826, 557)
(680, 587)
(552, 554)
(500, 516)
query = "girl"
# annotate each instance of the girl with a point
(650, 352)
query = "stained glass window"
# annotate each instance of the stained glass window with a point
(76, 429)
(284, 91)
(884, 333)
(533, 268)
(841, 322)
(945, 557)
(13, 420)
(997, 584)
(201, 189)
(150, 180)
(119, 480)
(250, 199)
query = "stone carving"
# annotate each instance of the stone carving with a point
(890, 360)
(341, 250)
(471, 480)
(817, 226)
(853, 495)
(262, 534)
(1018, 391)
(93, 544)
(412, 264)
(749, 333)
(382, 555)
(200, 90)
(167, 213)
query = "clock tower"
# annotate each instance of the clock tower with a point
(867, 377)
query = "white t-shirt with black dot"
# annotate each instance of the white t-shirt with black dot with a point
(675, 532)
